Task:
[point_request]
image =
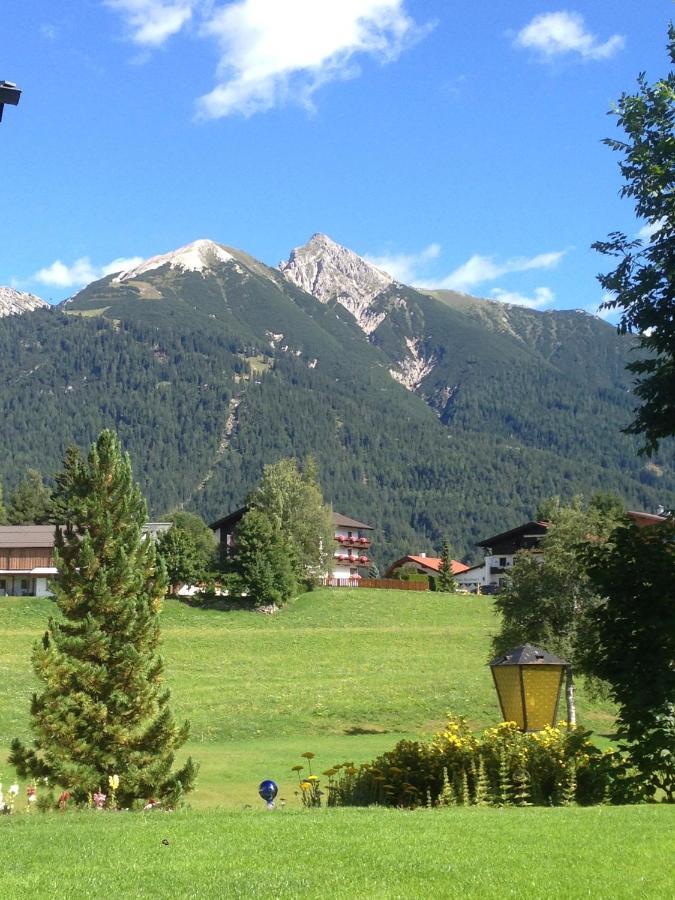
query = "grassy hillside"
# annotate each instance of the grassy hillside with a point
(343, 673)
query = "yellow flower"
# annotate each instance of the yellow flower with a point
(312, 778)
(114, 781)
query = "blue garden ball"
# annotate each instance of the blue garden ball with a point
(268, 790)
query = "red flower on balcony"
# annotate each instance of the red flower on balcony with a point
(363, 559)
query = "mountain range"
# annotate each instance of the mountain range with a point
(431, 414)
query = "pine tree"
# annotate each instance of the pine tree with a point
(30, 503)
(262, 560)
(104, 710)
(445, 581)
(3, 514)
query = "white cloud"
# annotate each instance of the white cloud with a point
(647, 232)
(82, 271)
(49, 31)
(152, 22)
(273, 52)
(405, 267)
(479, 269)
(543, 296)
(560, 33)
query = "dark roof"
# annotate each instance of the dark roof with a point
(230, 519)
(233, 518)
(527, 654)
(26, 536)
(505, 535)
(341, 521)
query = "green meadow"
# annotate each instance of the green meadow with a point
(344, 674)
(597, 852)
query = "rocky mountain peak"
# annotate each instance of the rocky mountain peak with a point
(199, 256)
(13, 302)
(331, 272)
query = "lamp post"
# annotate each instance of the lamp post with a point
(9, 93)
(528, 682)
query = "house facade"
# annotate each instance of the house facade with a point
(500, 550)
(351, 554)
(27, 558)
(424, 565)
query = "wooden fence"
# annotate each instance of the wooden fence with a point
(394, 584)
(388, 583)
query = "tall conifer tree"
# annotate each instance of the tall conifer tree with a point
(104, 710)
(30, 504)
(445, 581)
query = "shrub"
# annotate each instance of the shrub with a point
(501, 767)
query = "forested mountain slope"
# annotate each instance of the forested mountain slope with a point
(210, 364)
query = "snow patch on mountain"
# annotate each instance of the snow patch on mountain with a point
(331, 272)
(415, 367)
(13, 303)
(199, 256)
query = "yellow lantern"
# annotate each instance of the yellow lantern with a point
(528, 682)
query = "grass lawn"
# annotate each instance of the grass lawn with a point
(598, 852)
(343, 673)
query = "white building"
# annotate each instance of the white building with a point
(500, 552)
(351, 559)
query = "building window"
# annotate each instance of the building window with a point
(502, 562)
(3, 587)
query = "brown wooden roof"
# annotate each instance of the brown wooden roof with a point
(26, 536)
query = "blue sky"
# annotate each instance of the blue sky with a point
(457, 143)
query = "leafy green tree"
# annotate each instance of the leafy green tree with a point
(633, 644)
(445, 581)
(642, 285)
(3, 514)
(103, 710)
(30, 503)
(202, 537)
(292, 500)
(262, 560)
(549, 597)
(178, 551)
